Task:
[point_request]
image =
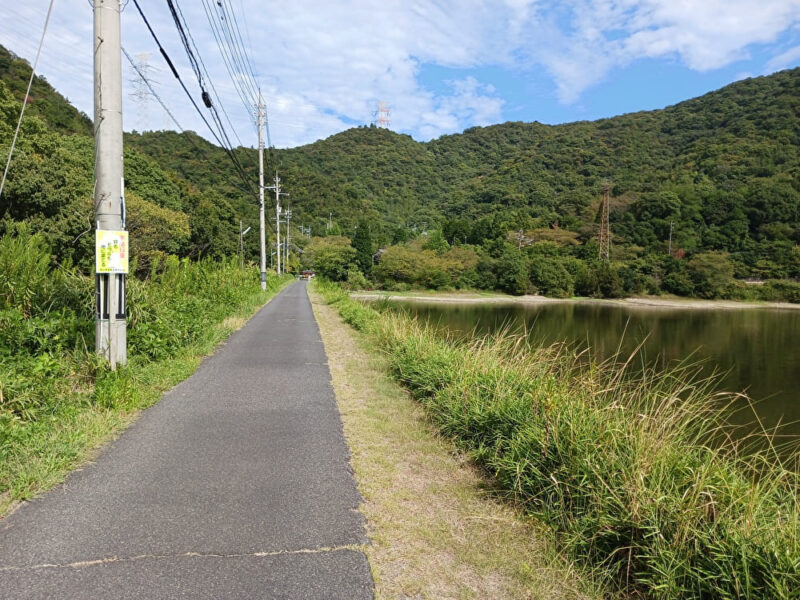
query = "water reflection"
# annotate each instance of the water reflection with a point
(756, 350)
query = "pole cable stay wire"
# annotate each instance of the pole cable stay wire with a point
(27, 93)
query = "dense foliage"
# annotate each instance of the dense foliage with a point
(51, 380)
(710, 180)
(49, 185)
(705, 196)
(43, 100)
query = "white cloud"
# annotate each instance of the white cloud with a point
(603, 34)
(325, 65)
(783, 61)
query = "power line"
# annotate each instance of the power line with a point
(231, 46)
(236, 36)
(177, 124)
(25, 99)
(205, 96)
(208, 77)
(245, 95)
(242, 62)
(233, 158)
(241, 40)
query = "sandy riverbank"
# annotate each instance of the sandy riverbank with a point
(641, 302)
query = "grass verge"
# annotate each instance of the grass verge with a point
(58, 401)
(618, 466)
(436, 530)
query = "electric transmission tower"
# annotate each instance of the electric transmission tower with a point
(382, 115)
(604, 237)
(142, 81)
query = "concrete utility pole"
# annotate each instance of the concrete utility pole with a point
(278, 210)
(110, 326)
(288, 223)
(263, 233)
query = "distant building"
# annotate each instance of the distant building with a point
(376, 258)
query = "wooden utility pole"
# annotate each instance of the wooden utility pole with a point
(109, 202)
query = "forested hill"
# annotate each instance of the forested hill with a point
(737, 147)
(721, 171)
(43, 101)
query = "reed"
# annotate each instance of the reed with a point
(630, 467)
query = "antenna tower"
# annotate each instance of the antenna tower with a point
(604, 238)
(382, 115)
(141, 93)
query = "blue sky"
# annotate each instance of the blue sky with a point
(441, 65)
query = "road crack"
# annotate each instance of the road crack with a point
(117, 559)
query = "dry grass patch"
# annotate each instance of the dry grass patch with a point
(436, 529)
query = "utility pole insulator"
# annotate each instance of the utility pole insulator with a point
(109, 202)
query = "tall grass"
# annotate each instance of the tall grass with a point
(621, 465)
(50, 376)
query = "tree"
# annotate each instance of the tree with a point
(436, 242)
(710, 272)
(330, 256)
(549, 276)
(512, 272)
(362, 242)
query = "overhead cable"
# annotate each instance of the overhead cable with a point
(204, 93)
(233, 158)
(245, 86)
(208, 77)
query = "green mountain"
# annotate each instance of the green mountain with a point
(43, 101)
(714, 178)
(720, 170)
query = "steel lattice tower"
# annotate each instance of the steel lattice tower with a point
(604, 237)
(382, 115)
(142, 76)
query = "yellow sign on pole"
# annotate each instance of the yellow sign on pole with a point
(111, 252)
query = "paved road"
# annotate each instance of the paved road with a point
(236, 485)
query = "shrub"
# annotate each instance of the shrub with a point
(331, 256)
(356, 280)
(710, 273)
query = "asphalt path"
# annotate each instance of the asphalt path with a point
(237, 484)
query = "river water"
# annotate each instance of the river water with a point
(754, 350)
